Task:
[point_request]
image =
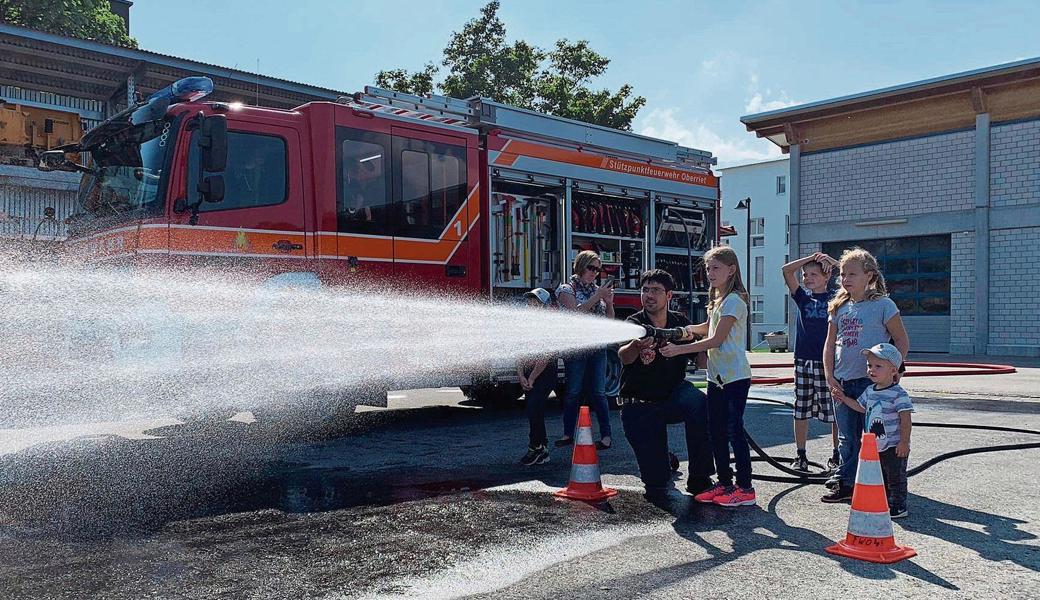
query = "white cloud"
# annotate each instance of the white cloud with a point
(758, 103)
(738, 148)
(763, 101)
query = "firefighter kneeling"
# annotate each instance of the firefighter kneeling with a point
(655, 393)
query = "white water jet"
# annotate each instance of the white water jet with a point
(80, 345)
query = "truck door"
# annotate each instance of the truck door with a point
(262, 214)
(363, 211)
(431, 212)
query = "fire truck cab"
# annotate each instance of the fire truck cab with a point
(471, 197)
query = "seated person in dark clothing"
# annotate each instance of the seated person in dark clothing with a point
(360, 191)
(364, 197)
(655, 393)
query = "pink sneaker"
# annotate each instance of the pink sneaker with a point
(736, 496)
(708, 496)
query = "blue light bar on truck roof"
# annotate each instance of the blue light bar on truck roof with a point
(185, 90)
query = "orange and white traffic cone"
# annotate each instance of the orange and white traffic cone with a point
(870, 535)
(585, 483)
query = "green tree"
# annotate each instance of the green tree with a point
(419, 83)
(85, 19)
(563, 88)
(481, 62)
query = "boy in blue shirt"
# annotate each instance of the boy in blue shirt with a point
(887, 407)
(812, 395)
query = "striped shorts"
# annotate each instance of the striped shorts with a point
(812, 398)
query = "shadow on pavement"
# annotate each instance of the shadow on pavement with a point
(749, 529)
(995, 541)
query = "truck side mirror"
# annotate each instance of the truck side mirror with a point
(213, 143)
(212, 188)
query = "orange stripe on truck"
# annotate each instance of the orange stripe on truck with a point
(235, 241)
(227, 241)
(514, 149)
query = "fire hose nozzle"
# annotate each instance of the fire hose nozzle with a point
(661, 334)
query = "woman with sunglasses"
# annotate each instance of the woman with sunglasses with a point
(586, 371)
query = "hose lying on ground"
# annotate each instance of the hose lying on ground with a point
(796, 476)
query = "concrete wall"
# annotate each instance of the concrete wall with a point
(1015, 164)
(1014, 289)
(1014, 301)
(962, 293)
(907, 177)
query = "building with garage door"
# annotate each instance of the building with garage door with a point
(941, 180)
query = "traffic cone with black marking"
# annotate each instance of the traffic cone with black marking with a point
(870, 535)
(585, 483)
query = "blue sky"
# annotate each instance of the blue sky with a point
(700, 65)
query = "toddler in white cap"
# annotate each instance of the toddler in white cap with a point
(887, 407)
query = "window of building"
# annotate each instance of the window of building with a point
(363, 187)
(787, 231)
(432, 181)
(781, 184)
(758, 232)
(757, 309)
(916, 270)
(760, 268)
(256, 173)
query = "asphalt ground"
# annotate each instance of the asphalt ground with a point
(426, 500)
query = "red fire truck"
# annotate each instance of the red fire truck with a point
(471, 196)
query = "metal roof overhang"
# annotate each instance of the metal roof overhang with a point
(86, 69)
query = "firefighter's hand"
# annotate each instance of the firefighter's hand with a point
(525, 383)
(903, 448)
(669, 350)
(645, 343)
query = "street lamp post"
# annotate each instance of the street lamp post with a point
(745, 204)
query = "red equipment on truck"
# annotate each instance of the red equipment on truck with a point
(470, 196)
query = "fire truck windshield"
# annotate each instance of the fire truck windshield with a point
(127, 172)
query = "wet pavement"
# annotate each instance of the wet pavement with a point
(426, 500)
